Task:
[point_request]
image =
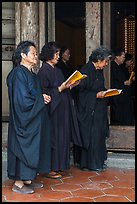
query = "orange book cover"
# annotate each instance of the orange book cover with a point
(75, 77)
(132, 75)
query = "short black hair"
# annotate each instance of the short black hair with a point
(22, 47)
(128, 57)
(118, 51)
(100, 53)
(63, 49)
(48, 51)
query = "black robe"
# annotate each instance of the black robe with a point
(64, 126)
(121, 109)
(65, 68)
(92, 118)
(25, 119)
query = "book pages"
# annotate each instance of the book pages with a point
(112, 92)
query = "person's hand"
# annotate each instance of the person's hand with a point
(127, 82)
(63, 86)
(47, 98)
(75, 84)
(133, 78)
(100, 94)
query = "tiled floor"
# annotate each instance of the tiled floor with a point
(111, 185)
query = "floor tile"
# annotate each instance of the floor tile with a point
(111, 185)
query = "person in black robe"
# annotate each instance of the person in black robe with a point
(25, 119)
(128, 68)
(63, 64)
(121, 106)
(91, 109)
(64, 126)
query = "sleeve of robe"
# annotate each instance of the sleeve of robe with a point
(26, 105)
(45, 74)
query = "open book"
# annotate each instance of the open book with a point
(75, 77)
(132, 75)
(112, 92)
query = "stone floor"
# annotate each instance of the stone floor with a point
(111, 185)
(115, 184)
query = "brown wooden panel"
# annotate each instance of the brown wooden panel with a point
(121, 138)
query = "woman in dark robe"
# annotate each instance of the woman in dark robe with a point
(25, 119)
(121, 106)
(63, 64)
(91, 109)
(64, 126)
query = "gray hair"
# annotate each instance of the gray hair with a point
(100, 53)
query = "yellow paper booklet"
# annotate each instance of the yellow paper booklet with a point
(132, 75)
(112, 92)
(75, 77)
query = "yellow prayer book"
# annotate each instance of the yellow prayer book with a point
(112, 92)
(75, 77)
(132, 75)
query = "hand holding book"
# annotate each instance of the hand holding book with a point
(72, 81)
(132, 75)
(112, 92)
(76, 76)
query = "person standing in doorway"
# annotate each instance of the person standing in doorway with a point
(121, 106)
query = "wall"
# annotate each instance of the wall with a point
(75, 39)
(8, 44)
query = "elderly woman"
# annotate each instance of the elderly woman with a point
(91, 107)
(25, 121)
(64, 126)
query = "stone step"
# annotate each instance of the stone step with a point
(117, 160)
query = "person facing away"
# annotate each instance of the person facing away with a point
(26, 105)
(121, 106)
(91, 109)
(64, 126)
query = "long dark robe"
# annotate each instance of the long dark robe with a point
(92, 118)
(45, 144)
(121, 109)
(64, 126)
(25, 120)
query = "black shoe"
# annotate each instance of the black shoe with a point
(105, 166)
(35, 185)
(84, 169)
(24, 190)
(97, 170)
(76, 165)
